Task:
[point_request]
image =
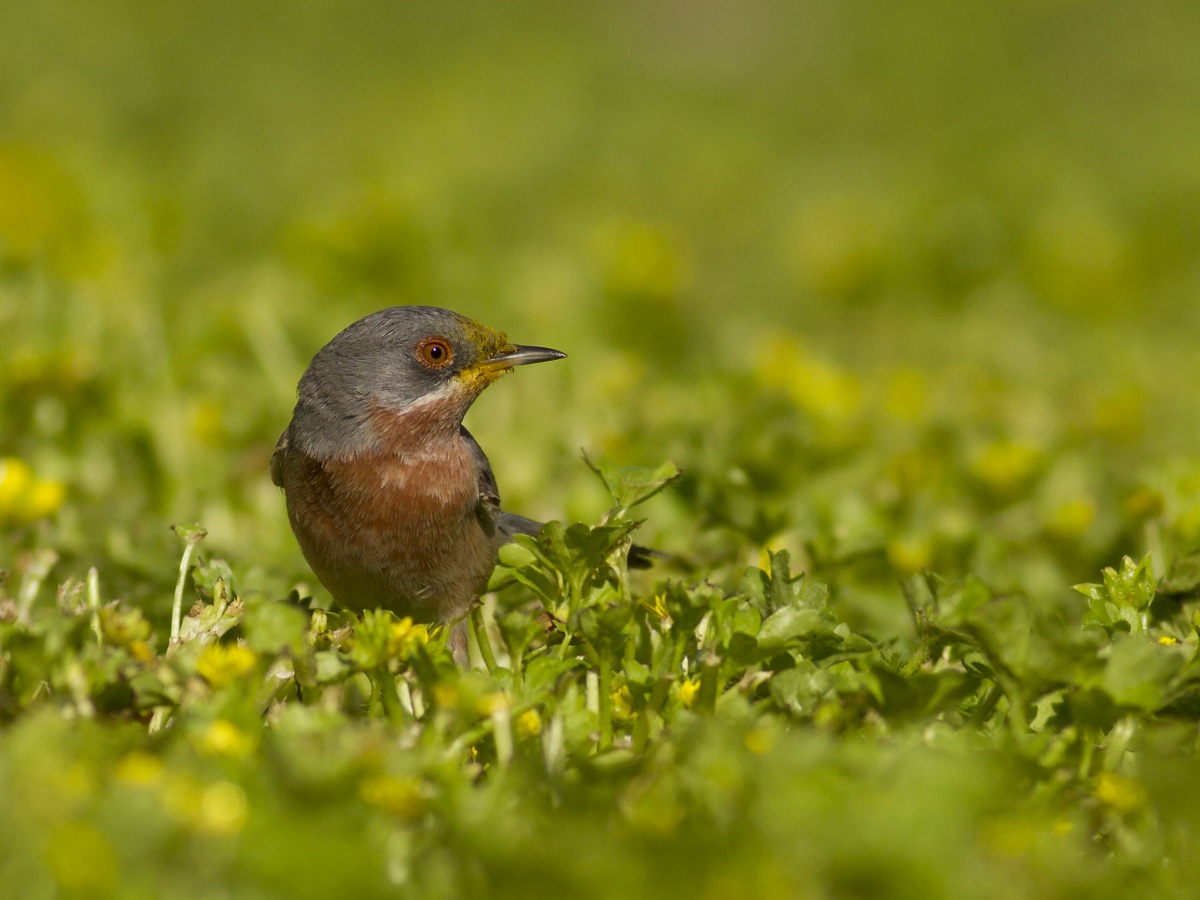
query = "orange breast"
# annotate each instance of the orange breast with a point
(401, 532)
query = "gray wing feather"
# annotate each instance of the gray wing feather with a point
(489, 491)
(505, 523)
(488, 509)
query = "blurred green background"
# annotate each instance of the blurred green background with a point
(919, 284)
(901, 288)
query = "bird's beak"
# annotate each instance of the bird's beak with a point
(520, 355)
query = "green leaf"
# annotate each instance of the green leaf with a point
(1122, 602)
(1032, 643)
(1182, 581)
(543, 672)
(922, 694)
(212, 578)
(274, 626)
(331, 667)
(1140, 673)
(786, 626)
(958, 602)
(520, 562)
(630, 485)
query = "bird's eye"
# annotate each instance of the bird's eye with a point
(434, 353)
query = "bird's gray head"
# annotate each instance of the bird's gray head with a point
(392, 361)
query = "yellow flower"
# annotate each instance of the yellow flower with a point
(816, 387)
(1072, 518)
(910, 554)
(401, 797)
(529, 723)
(138, 768)
(141, 651)
(688, 689)
(222, 664)
(15, 478)
(127, 628)
(622, 704)
(406, 637)
(1006, 467)
(1121, 793)
(759, 740)
(223, 738)
(216, 809)
(657, 606)
(223, 809)
(23, 496)
(1167, 641)
(445, 695)
(44, 498)
(489, 704)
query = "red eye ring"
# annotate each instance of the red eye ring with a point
(434, 353)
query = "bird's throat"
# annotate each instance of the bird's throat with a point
(430, 423)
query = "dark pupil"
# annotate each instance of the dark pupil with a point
(435, 352)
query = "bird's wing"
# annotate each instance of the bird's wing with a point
(489, 491)
(506, 523)
(488, 507)
(277, 458)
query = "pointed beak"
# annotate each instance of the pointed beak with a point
(521, 355)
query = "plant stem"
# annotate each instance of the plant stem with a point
(93, 596)
(477, 630)
(191, 537)
(605, 701)
(41, 562)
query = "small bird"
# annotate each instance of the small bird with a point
(391, 499)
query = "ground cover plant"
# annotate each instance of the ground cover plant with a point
(881, 327)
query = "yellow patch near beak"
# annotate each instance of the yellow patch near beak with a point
(484, 372)
(497, 357)
(490, 344)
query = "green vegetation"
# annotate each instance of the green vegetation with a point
(908, 297)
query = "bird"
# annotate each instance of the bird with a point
(392, 501)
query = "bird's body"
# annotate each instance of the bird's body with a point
(392, 501)
(409, 532)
